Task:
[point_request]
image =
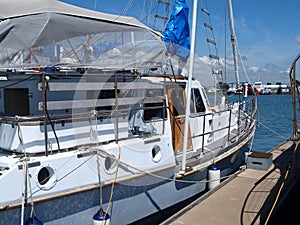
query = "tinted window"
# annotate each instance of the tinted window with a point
(197, 104)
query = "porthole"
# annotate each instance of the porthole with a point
(43, 176)
(46, 178)
(156, 153)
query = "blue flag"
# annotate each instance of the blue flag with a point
(177, 33)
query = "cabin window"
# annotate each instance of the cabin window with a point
(178, 101)
(154, 110)
(106, 94)
(151, 106)
(197, 104)
(16, 101)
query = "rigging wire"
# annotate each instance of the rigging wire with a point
(217, 63)
(127, 7)
(242, 63)
(225, 42)
(17, 82)
(214, 59)
(95, 5)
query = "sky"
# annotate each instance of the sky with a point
(268, 32)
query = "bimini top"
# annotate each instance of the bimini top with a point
(48, 32)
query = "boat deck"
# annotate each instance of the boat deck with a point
(246, 198)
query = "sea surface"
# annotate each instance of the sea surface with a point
(274, 124)
(275, 115)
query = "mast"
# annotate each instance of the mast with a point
(189, 84)
(233, 41)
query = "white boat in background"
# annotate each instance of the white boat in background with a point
(260, 89)
(92, 118)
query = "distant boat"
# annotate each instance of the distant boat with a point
(278, 88)
(246, 88)
(250, 90)
(94, 125)
(231, 91)
(260, 89)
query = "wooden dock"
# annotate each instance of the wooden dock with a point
(251, 197)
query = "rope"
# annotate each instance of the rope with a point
(24, 173)
(166, 178)
(98, 160)
(26, 178)
(23, 192)
(113, 183)
(273, 131)
(280, 189)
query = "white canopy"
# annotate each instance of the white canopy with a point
(19, 8)
(48, 31)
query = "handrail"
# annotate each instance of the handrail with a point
(294, 85)
(88, 103)
(251, 115)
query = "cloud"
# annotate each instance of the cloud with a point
(297, 39)
(269, 72)
(241, 24)
(286, 71)
(254, 69)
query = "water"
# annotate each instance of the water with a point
(274, 121)
(275, 115)
(274, 118)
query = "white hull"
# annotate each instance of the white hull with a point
(134, 196)
(91, 113)
(132, 199)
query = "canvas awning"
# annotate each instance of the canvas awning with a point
(46, 31)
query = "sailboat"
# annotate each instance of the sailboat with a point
(93, 127)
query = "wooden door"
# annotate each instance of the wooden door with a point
(176, 102)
